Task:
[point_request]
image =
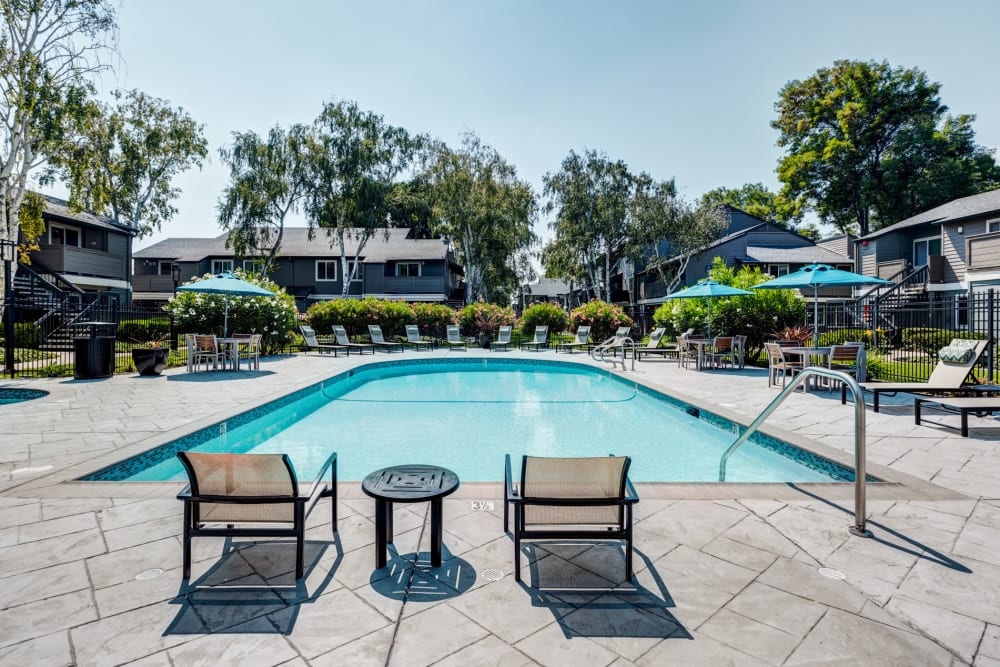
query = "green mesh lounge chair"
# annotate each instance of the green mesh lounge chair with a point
(582, 339)
(380, 343)
(503, 338)
(455, 340)
(540, 340)
(413, 338)
(313, 343)
(342, 339)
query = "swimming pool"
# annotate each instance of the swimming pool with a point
(466, 414)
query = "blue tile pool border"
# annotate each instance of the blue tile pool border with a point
(121, 470)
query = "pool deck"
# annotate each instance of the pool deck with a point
(90, 572)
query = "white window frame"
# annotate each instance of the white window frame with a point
(66, 228)
(161, 264)
(222, 265)
(778, 268)
(993, 226)
(253, 266)
(924, 240)
(328, 263)
(419, 266)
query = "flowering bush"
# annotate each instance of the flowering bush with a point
(484, 318)
(602, 318)
(543, 314)
(356, 314)
(271, 316)
(432, 318)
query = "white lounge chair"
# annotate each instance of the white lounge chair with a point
(413, 338)
(313, 343)
(540, 340)
(653, 346)
(503, 338)
(340, 333)
(375, 332)
(582, 339)
(455, 340)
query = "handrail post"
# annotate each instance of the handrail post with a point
(860, 438)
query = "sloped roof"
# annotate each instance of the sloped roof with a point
(548, 287)
(800, 255)
(958, 209)
(296, 243)
(60, 208)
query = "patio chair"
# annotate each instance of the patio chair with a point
(612, 344)
(380, 343)
(778, 363)
(739, 349)
(454, 340)
(206, 349)
(582, 498)
(955, 362)
(503, 338)
(722, 352)
(230, 495)
(313, 343)
(981, 405)
(582, 339)
(249, 350)
(540, 340)
(340, 333)
(413, 338)
(652, 347)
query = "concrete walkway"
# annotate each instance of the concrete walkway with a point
(726, 574)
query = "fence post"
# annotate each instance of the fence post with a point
(875, 323)
(173, 334)
(8, 311)
(990, 335)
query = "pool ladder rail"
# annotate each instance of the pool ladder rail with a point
(860, 475)
(625, 344)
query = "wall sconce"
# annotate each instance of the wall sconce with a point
(961, 229)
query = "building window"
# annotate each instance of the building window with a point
(59, 235)
(993, 226)
(255, 266)
(95, 239)
(777, 270)
(222, 265)
(164, 269)
(924, 248)
(408, 269)
(326, 269)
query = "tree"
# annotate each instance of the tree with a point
(126, 157)
(487, 212)
(48, 51)
(667, 231)
(869, 144)
(590, 196)
(267, 181)
(757, 200)
(354, 163)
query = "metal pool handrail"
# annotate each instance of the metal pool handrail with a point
(859, 436)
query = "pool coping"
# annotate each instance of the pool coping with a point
(892, 484)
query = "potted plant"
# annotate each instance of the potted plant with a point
(801, 334)
(486, 323)
(150, 357)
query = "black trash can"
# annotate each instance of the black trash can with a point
(94, 349)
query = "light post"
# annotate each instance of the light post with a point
(175, 274)
(8, 249)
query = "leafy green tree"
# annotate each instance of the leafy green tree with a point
(667, 231)
(126, 157)
(590, 196)
(757, 200)
(869, 144)
(355, 161)
(543, 314)
(267, 181)
(487, 212)
(49, 49)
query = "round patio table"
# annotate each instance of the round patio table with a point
(408, 484)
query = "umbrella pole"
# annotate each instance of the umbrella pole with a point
(815, 317)
(225, 319)
(709, 317)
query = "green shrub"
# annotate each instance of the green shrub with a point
(543, 314)
(25, 336)
(842, 336)
(472, 318)
(143, 331)
(392, 316)
(273, 317)
(602, 318)
(929, 341)
(432, 316)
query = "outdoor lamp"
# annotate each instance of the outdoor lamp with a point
(175, 273)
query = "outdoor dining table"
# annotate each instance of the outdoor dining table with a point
(230, 345)
(808, 355)
(701, 344)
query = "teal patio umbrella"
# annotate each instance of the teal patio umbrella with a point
(820, 275)
(228, 284)
(708, 289)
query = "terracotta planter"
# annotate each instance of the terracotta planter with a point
(150, 361)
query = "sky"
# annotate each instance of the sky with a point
(682, 90)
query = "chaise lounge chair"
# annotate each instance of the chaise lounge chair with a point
(540, 340)
(582, 340)
(455, 340)
(612, 344)
(413, 338)
(342, 339)
(584, 498)
(380, 343)
(963, 406)
(312, 343)
(503, 338)
(653, 346)
(955, 362)
(242, 491)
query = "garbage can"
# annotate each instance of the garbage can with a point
(94, 348)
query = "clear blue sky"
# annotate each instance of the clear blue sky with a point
(683, 90)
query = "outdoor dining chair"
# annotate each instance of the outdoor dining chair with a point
(777, 363)
(231, 495)
(207, 349)
(249, 350)
(722, 352)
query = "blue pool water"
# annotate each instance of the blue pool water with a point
(12, 395)
(465, 415)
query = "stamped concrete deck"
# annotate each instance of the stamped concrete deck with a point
(89, 572)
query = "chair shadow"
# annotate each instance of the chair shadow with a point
(213, 376)
(590, 604)
(410, 577)
(918, 549)
(250, 582)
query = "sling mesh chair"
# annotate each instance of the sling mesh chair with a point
(581, 339)
(503, 338)
(413, 338)
(379, 341)
(582, 498)
(250, 495)
(540, 340)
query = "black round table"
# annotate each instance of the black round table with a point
(408, 484)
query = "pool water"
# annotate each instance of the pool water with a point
(465, 416)
(11, 395)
